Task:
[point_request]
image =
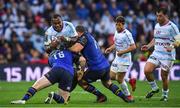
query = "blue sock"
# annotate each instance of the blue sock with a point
(93, 90)
(31, 91)
(115, 89)
(58, 98)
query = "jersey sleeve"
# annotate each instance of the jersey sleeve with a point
(82, 40)
(174, 30)
(130, 39)
(47, 40)
(72, 29)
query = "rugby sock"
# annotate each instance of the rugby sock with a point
(93, 90)
(165, 92)
(115, 89)
(58, 98)
(125, 88)
(31, 91)
(153, 85)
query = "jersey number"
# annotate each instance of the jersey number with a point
(59, 55)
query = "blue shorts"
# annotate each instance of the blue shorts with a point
(91, 76)
(60, 76)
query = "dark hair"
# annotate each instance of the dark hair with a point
(80, 28)
(56, 16)
(163, 10)
(120, 19)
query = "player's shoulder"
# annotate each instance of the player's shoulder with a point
(172, 24)
(127, 32)
(156, 25)
(66, 23)
(49, 31)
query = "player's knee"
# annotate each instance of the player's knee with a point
(147, 70)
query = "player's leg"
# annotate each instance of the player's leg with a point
(61, 97)
(106, 81)
(150, 66)
(120, 74)
(165, 90)
(112, 75)
(165, 68)
(65, 80)
(41, 83)
(119, 71)
(91, 77)
(122, 82)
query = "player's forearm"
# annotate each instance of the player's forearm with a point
(129, 49)
(77, 47)
(112, 47)
(151, 43)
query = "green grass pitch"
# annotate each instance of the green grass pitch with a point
(79, 98)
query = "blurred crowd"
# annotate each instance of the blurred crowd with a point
(23, 23)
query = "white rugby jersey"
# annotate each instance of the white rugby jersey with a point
(164, 37)
(122, 41)
(68, 30)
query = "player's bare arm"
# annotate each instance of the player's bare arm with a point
(129, 49)
(77, 47)
(80, 43)
(110, 49)
(148, 46)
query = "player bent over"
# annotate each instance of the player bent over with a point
(98, 66)
(123, 45)
(62, 72)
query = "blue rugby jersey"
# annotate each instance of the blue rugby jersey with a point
(63, 59)
(93, 54)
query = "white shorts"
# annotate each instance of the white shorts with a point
(117, 67)
(160, 60)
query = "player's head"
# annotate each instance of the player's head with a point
(120, 21)
(80, 30)
(162, 15)
(57, 22)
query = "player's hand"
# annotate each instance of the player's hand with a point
(119, 53)
(145, 48)
(169, 48)
(176, 43)
(63, 38)
(108, 50)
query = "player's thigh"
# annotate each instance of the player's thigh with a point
(90, 76)
(41, 83)
(54, 74)
(65, 80)
(151, 64)
(166, 65)
(113, 75)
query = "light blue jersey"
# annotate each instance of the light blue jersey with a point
(122, 41)
(68, 30)
(164, 37)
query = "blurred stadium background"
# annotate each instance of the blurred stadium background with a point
(23, 23)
